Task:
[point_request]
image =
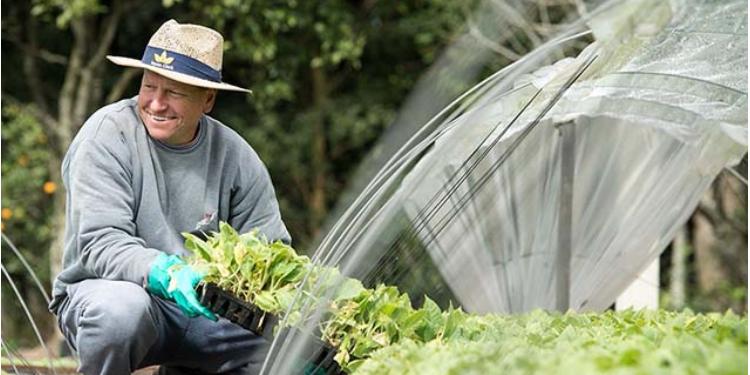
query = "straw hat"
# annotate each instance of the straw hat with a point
(186, 53)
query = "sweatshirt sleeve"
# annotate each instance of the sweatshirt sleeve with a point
(253, 201)
(103, 204)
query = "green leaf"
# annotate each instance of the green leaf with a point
(197, 246)
(265, 301)
(350, 288)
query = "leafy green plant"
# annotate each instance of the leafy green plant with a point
(371, 320)
(266, 274)
(249, 266)
(624, 342)
(271, 275)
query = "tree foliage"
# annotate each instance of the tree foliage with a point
(26, 208)
(26, 186)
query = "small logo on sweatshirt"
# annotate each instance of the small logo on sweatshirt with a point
(205, 225)
(208, 219)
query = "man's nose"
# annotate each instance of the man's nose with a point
(158, 102)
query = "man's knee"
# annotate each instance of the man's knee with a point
(113, 312)
(112, 324)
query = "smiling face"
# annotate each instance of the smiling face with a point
(170, 109)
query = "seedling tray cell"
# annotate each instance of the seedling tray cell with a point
(236, 310)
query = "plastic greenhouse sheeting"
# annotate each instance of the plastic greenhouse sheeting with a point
(608, 152)
(653, 128)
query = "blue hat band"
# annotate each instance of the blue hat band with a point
(177, 62)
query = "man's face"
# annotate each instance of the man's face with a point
(170, 109)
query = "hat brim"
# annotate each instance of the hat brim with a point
(180, 77)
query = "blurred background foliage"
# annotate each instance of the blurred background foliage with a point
(328, 79)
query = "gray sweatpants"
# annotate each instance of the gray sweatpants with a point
(117, 327)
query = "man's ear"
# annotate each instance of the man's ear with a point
(210, 99)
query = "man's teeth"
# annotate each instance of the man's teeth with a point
(159, 118)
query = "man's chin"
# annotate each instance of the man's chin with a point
(159, 134)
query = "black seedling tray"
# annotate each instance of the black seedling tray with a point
(238, 311)
(318, 356)
(319, 359)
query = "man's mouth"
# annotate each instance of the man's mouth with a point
(157, 118)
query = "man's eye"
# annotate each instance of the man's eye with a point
(176, 93)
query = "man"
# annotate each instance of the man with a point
(139, 173)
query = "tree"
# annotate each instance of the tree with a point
(55, 78)
(719, 237)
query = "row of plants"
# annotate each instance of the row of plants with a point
(613, 342)
(378, 331)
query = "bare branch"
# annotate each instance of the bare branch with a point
(31, 71)
(97, 87)
(516, 18)
(118, 90)
(498, 48)
(108, 35)
(71, 82)
(50, 57)
(302, 186)
(87, 91)
(736, 174)
(581, 8)
(709, 213)
(543, 13)
(83, 96)
(40, 53)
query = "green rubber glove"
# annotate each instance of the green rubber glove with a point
(172, 279)
(158, 276)
(182, 290)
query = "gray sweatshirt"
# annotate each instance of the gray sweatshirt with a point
(129, 197)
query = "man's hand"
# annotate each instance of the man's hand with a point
(172, 279)
(182, 290)
(158, 277)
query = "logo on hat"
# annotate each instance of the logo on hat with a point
(162, 61)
